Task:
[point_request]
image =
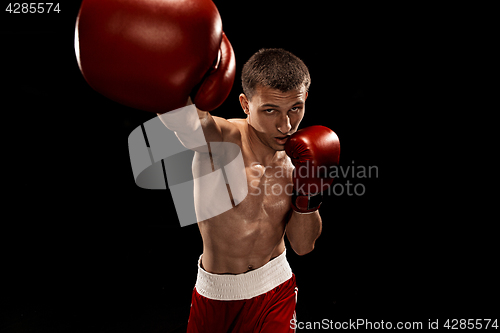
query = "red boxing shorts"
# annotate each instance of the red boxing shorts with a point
(262, 300)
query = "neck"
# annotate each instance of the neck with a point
(264, 154)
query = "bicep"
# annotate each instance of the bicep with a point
(229, 131)
(211, 127)
(195, 128)
(217, 129)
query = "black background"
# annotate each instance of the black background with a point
(83, 249)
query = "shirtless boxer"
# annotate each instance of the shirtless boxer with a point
(130, 52)
(244, 281)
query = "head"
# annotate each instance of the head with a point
(275, 88)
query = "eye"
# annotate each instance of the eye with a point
(269, 111)
(295, 109)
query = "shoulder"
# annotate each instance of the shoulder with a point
(231, 129)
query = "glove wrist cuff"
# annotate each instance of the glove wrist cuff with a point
(306, 203)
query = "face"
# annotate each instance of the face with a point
(274, 115)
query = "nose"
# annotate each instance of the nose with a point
(284, 125)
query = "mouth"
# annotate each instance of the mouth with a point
(281, 140)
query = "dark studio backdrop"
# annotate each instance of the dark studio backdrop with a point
(86, 250)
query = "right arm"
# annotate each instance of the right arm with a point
(217, 129)
(195, 128)
(213, 155)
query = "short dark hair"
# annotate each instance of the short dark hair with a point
(274, 68)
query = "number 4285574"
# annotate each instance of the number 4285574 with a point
(33, 8)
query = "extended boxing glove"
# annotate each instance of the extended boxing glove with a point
(153, 54)
(313, 151)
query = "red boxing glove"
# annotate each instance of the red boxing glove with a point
(153, 54)
(313, 151)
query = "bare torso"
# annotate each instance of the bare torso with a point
(252, 233)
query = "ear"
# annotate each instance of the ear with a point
(245, 104)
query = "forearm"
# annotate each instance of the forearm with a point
(303, 230)
(211, 129)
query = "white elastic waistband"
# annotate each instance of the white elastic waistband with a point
(226, 287)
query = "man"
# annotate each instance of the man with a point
(244, 248)
(156, 56)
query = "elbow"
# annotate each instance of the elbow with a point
(303, 250)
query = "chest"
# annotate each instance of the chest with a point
(269, 191)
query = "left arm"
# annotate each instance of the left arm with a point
(309, 149)
(303, 230)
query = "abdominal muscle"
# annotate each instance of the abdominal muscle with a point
(230, 249)
(249, 235)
